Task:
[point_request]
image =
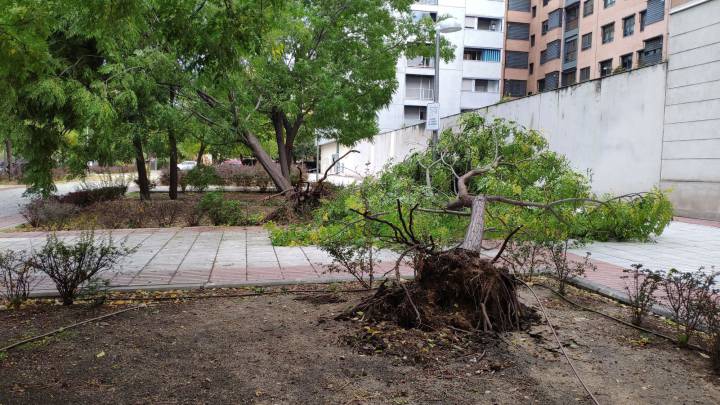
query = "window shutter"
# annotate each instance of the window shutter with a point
(519, 5)
(551, 80)
(655, 11)
(554, 19)
(518, 31)
(515, 88)
(516, 59)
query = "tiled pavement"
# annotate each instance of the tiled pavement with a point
(231, 256)
(203, 256)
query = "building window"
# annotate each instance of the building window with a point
(482, 54)
(608, 33)
(551, 52)
(414, 114)
(534, 11)
(555, 19)
(515, 88)
(626, 61)
(531, 68)
(608, 3)
(655, 11)
(605, 67)
(419, 87)
(545, 2)
(643, 14)
(419, 15)
(544, 27)
(483, 24)
(587, 41)
(541, 85)
(516, 59)
(532, 40)
(571, 18)
(519, 5)
(480, 85)
(569, 77)
(629, 25)
(652, 52)
(519, 31)
(570, 50)
(588, 6)
(585, 74)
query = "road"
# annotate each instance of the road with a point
(12, 199)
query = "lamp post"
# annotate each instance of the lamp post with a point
(445, 26)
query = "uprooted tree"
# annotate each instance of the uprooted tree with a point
(491, 181)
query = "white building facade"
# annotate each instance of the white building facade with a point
(470, 81)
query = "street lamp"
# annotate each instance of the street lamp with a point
(445, 26)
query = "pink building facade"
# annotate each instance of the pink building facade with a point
(555, 43)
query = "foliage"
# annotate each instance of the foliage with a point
(48, 212)
(687, 295)
(16, 277)
(90, 196)
(354, 252)
(200, 178)
(164, 213)
(531, 172)
(523, 257)
(641, 290)
(70, 265)
(226, 212)
(564, 268)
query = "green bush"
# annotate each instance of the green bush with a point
(226, 212)
(90, 196)
(200, 178)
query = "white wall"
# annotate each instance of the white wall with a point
(691, 142)
(612, 127)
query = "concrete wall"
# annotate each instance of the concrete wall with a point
(691, 142)
(611, 127)
(655, 126)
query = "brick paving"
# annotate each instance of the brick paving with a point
(203, 257)
(235, 256)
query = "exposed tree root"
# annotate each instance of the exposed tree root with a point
(455, 288)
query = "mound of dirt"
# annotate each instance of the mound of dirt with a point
(457, 288)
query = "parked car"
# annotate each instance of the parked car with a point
(187, 165)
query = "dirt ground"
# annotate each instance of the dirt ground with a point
(284, 349)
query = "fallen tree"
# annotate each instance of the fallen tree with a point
(510, 181)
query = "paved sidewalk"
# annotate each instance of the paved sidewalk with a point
(234, 256)
(204, 257)
(684, 246)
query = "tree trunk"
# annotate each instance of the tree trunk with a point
(8, 157)
(277, 121)
(143, 181)
(476, 228)
(281, 182)
(201, 152)
(173, 165)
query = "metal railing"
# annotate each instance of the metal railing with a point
(421, 62)
(571, 24)
(419, 93)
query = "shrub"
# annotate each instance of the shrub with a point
(226, 212)
(193, 215)
(16, 276)
(687, 295)
(200, 178)
(164, 213)
(641, 289)
(523, 257)
(711, 311)
(70, 265)
(564, 268)
(121, 214)
(90, 196)
(48, 213)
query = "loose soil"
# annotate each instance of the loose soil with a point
(285, 349)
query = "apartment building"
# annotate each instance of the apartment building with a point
(471, 80)
(554, 43)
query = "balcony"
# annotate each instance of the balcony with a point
(473, 100)
(483, 38)
(571, 25)
(427, 2)
(419, 93)
(421, 62)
